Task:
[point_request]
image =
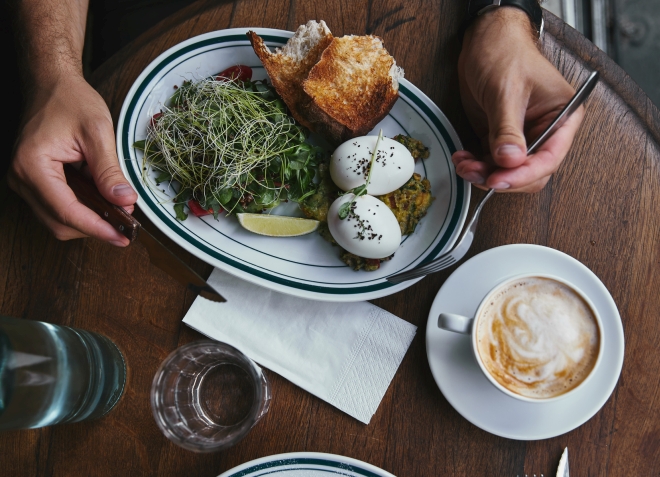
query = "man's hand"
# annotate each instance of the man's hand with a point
(511, 93)
(69, 122)
(65, 120)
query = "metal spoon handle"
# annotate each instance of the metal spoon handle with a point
(464, 242)
(576, 101)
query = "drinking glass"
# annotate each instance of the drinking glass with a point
(207, 395)
(53, 374)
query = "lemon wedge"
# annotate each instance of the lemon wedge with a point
(277, 225)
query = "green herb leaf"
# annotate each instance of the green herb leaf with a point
(224, 140)
(224, 196)
(179, 211)
(216, 210)
(297, 165)
(360, 190)
(267, 196)
(141, 145)
(183, 196)
(345, 209)
(163, 177)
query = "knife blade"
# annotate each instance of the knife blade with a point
(562, 468)
(125, 224)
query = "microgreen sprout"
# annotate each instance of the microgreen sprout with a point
(347, 207)
(229, 145)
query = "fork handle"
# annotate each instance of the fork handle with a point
(457, 252)
(477, 211)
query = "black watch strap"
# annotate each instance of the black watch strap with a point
(531, 7)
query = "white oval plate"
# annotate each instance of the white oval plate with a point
(306, 464)
(462, 382)
(306, 266)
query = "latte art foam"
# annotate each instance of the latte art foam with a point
(537, 337)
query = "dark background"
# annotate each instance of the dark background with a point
(112, 24)
(633, 41)
(636, 36)
(12, 97)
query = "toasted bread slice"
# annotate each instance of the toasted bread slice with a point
(356, 83)
(289, 66)
(338, 87)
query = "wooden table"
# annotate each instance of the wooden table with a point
(601, 208)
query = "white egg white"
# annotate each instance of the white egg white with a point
(393, 166)
(371, 229)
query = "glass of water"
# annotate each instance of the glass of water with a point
(207, 395)
(55, 374)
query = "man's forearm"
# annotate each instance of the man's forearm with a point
(51, 35)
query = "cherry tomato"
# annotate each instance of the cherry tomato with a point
(154, 118)
(238, 72)
(374, 263)
(197, 210)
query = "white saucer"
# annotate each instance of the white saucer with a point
(306, 464)
(458, 375)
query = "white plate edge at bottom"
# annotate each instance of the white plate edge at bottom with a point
(340, 459)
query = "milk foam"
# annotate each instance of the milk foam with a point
(537, 337)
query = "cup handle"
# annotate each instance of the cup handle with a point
(455, 323)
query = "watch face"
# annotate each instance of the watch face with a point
(475, 7)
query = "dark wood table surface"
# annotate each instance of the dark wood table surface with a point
(602, 208)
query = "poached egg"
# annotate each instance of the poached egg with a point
(350, 163)
(370, 230)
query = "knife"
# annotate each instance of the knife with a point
(125, 224)
(562, 469)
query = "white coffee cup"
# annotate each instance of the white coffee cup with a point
(523, 322)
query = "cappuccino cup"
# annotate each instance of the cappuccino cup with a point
(536, 337)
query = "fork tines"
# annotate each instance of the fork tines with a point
(435, 266)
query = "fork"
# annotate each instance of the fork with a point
(463, 245)
(450, 258)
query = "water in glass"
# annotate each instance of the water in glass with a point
(55, 374)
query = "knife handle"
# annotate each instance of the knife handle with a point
(89, 195)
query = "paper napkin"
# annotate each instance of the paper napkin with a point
(343, 353)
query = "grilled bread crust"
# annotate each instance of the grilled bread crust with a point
(289, 66)
(355, 83)
(338, 87)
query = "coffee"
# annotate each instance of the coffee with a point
(537, 337)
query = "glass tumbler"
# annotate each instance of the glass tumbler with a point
(53, 374)
(207, 395)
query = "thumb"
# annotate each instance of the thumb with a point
(102, 159)
(506, 117)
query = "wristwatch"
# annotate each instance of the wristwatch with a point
(530, 7)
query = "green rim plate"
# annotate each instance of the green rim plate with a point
(303, 266)
(306, 464)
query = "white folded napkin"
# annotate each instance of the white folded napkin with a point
(343, 353)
